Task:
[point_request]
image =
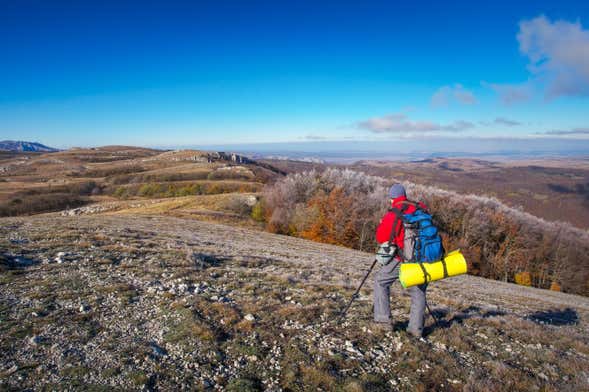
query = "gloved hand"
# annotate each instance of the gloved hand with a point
(385, 253)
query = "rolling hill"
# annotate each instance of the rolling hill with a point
(20, 146)
(116, 175)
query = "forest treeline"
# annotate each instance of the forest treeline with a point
(343, 207)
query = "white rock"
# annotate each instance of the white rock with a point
(249, 317)
(543, 376)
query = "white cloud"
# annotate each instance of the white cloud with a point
(314, 137)
(501, 121)
(399, 123)
(573, 131)
(456, 93)
(511, 93)
(558, 53)
(457, 126)
(506, 121)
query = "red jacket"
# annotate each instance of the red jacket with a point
(383, 231)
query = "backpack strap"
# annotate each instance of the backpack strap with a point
(425, 273)
(445, 267)
(398, 218)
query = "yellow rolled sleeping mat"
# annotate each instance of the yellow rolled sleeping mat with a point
(413, 274)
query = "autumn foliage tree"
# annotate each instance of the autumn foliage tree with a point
(343, 207)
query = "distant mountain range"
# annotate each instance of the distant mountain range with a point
(20, 146)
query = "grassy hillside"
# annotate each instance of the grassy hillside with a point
(114, 175)
(161, 303)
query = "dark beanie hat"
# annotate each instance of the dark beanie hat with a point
(397, 190)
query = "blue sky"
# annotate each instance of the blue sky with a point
(227, 72)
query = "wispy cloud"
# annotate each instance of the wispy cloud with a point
(501, 121)
(456, 93)
(506, 121)
(314, 137)
(573, 131)
(399, 123)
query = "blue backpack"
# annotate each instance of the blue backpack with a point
(422, 242)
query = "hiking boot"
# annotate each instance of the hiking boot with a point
(377, 326)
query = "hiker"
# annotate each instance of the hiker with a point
(390, 234)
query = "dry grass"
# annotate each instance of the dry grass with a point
(124, 172)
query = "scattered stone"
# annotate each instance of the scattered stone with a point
(249, 317)
(18, 241)
(543, 376)
(91, 209)
(208, 383)
(59, 257)
(23, 261)
(157, 350)
(11, 370)
(131, 314)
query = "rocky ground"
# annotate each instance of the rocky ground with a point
(160, 303)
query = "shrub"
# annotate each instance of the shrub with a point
(84, 188)
(335, 206)
(34, 204)
(49, 198)
(258, 212)
(111, 171)
(239, 205)
(160, 190)
(121, 192)
(343, 207)
(244, 385)
(523, 278)
(228, 175)
(159, 177)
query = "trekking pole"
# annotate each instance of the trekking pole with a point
(342, 315)
(358, 289)
(432, 314)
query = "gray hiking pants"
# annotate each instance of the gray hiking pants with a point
(386, 276)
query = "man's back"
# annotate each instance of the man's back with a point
(383, 231)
